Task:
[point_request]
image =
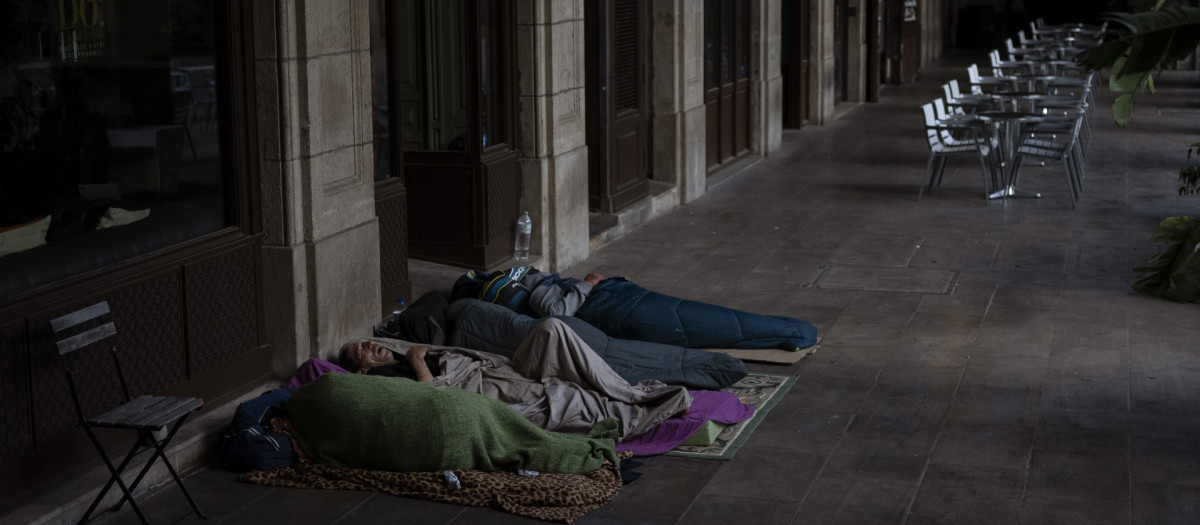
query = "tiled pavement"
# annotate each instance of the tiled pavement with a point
(1041, 389)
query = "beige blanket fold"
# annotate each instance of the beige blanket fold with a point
(557, 382)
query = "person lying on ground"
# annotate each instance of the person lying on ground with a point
(488, 327)
(553, 379)
(400, 425)
(527, 290)
(624, 310)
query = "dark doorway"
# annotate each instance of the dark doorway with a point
(841, 36)
(794, 61)
(456, 100)
(874, 49)
(617, 129)
(726, 80)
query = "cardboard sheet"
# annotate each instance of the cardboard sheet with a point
(767, 355)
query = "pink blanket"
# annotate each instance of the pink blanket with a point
(311, 370)
(722, 407)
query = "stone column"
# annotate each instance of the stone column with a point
(822, 89)
(766, 77)
(554, 163)
(320, 235)
(678, 96)
(856, 53)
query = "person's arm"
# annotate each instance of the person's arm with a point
(416, 358)
(550, 298)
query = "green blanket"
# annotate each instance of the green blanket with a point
(396, 424)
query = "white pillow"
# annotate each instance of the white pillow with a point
(120, 217)
(24, 237)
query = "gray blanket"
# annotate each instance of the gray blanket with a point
(557, 382)
(488, 327)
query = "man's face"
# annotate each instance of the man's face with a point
(369, 354)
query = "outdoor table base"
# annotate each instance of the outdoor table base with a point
(1007, 125)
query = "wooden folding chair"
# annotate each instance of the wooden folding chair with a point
(145, 414)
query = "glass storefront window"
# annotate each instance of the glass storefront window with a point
(110, 143)
(437, 79)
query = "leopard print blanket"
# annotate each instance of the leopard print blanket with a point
(550, 497)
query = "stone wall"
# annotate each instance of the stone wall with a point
(321, 237)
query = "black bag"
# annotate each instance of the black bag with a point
(424, 322)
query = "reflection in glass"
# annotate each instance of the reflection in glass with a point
(435, 82)
(433, 102)
(109, 128)
(380, 124)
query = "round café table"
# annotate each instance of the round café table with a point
(1017, 96)
(1007, 126)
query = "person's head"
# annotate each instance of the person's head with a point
(360, 356)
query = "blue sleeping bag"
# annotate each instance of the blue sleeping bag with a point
(493, 328)
(622, 309)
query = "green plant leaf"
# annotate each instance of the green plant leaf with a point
(1121, 108)
(1163, 34)
(1174, 273)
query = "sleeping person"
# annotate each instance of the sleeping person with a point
(622, 309)
(489, 327)
(400, 425)
(553, 379)
(526, 290)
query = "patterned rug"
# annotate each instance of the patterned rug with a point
(761, 390)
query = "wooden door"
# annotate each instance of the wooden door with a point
(794, 61)
(726, 80)
(841, 32)
(616, 95)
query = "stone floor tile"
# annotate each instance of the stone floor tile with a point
(1012, 332)
(815, 432)
(719, 509)
(828, 393)
(663, 492)
(854, 361)
(892, 459)
(775, 473)
(843, 501)
(1095, 433)
(1006, 372)
(900, 416)
(1163, 448)
(1165, 502)
(1072, 390)
(913, 381)
(1059, 474)
(385, 508)
(1044, 511)
(960, 493)
(985, 443)
(1038, 292)
(929, 352)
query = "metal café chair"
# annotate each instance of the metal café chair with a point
(144, 415)
(978, 82)
(1021, 53)
(1069, 153)
(944, 144)
(1008, 66)
(965, 103)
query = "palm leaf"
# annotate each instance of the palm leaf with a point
(1143, 43)
(1150, 39)
(1174, 273)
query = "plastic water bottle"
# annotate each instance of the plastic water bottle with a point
(400, 306)
(521, 245)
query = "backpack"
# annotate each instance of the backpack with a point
(248, 446)
(501, 287)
